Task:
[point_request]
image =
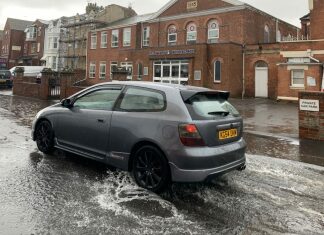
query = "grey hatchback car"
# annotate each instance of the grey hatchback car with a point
(162, 133)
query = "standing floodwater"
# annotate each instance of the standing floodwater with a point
(65, 194)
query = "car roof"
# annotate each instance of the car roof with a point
(156, 85)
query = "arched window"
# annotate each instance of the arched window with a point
(172, 35)
(217, 71)
(266, 34)
(261, 64)
(191, 33)
(213, 31)
(278, 36)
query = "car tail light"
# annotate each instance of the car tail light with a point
(190, 136)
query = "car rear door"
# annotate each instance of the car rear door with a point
(85, 127)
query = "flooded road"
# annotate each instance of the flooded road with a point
(65, 194)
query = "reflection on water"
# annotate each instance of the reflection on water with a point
(23, 108)
(66, 194)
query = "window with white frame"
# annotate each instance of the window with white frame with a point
(171, 71)
(146, 36)
(93, 41)
(266, 34)
(53, 63)
(102, 70)
(172, 35)
(213, 31)
(127, 37)
(114, 38)
(129, 67)
(92, 69)
(31, 32)
(217, 71)
(113, 66)
(191, 33)
(297, 78)
(103, 43)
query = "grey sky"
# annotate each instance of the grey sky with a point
(288, 10)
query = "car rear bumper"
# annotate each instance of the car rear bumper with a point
(201, 165)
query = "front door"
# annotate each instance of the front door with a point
(85, 127)
(261, 82)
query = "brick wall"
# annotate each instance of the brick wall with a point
(311, 124)
(317, 20)
(22, 87)
(284, 82)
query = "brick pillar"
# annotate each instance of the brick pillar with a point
(65, 83)
(19, 75)
(311, 115)
(44, 85)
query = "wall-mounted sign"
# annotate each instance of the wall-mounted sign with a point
(197, 75)
(311, 81)
(16, 48)
(192, 5)
(309, 105)
(172, 52)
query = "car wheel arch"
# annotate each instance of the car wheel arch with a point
(140, 144)
(41, 120)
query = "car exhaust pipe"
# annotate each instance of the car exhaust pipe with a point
(242, 168)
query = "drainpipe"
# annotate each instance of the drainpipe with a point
(142, 33)
(243, 73)
(277, 27)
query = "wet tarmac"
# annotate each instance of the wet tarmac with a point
(65, 194)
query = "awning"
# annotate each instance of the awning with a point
(43, 58)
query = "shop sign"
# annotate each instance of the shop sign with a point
(172, 52)
(309, 105)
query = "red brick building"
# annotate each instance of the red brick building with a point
(13, 41)
(281, 70)
(34, 44)
(2, 61)
(199, 42)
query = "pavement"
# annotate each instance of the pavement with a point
(280, 192)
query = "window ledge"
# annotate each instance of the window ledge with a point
(297, 87)
(217, 82)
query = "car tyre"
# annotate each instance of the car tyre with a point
(151, 169)
(44, 137)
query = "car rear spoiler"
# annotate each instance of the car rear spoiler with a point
(187, 94)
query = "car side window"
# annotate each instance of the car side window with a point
(103, 99)
(137, 99)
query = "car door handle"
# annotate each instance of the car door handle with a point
(100, 120)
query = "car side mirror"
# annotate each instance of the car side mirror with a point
(67, 103)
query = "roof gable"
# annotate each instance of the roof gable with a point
(176, 7)
(17, 24)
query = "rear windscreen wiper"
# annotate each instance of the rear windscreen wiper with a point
(223, 113)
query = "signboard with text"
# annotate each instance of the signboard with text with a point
(172, 52)
(309, 105)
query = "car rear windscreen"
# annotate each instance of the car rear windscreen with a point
(209, 107)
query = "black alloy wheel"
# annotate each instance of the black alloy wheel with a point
(44, 137)
(151, 169)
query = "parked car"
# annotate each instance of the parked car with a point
(5, 78)
(160, 132)
(29, 71)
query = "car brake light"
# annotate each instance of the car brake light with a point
(190, 136)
